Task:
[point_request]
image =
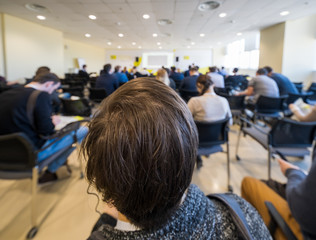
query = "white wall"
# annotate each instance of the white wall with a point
(272, 46)
(219, 56)
(94, 57)
(201, 58)
(29, 46)
(299, 56)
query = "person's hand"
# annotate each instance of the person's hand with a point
(56, 120)
(293, 107)
(286, 165)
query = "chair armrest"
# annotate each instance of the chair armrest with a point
(70, 127)
(275, 215)
(252, 125)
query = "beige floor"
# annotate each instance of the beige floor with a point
(73, 216)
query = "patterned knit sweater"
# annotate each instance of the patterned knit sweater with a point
(197, 218)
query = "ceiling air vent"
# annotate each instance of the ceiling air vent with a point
(35, 7)
(164, 22)
(208, 6)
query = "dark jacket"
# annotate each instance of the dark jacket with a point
(189, 83)
(14, 114)
(284, 84)
(301, 197)
(107, 81)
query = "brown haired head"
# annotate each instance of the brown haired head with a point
(140, 151)
(204, 82)
(46, 77)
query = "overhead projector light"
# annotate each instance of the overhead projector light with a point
(208, 6)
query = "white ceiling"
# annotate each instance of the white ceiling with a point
(125, 16)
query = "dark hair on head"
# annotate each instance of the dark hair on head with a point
(117, 68)
(46, 77)
(194, 69)
(141, 150)
(205, 81)
(84, 66)
(268, 68)
(167, 70)
(42, 69)
(235, 70)
(262, 71)
(213, 69)
(173, 68)
(107, 67)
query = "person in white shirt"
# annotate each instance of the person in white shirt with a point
(208, 107)
(217, 79)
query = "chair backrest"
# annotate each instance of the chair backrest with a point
(219, 90)
(289, 133)
(212, 133)
(17, 152)
(97, 94)
(293, 97)
(186, 95)
(235, 102)
(266, 104)
(78, 107)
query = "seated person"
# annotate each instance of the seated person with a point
(162, 76)
(107, 81)
(208, 107)
(140, 153)
(189, 83)
(83, 73)
(177, 77)
(299, 115)
(121, 76)
(260, 85)
(16, 116)
(295, 201)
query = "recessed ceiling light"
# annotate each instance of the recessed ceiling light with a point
(160, 47)
(221, 15)
(239, 34)
(284, 13)
(133, 43)
(208, 6)
(87, 35)
(121, 35)
(202, 35)
(119, 47)
(192, 43)
(109, 43)
(92, 17)
(188, 46)
(146, 16)
(158, 43)
(40, 17)
(155, 35)
(139, 47)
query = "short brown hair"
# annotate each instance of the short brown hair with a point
(205, 81)
(140, 151)
(46, 77)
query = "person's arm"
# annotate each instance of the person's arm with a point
(301, 194)
(42, 115)
(247, 92)
(311, 117)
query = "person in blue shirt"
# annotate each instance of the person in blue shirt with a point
(284, 84)
(122, 78)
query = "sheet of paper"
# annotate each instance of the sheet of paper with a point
(64, 120)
